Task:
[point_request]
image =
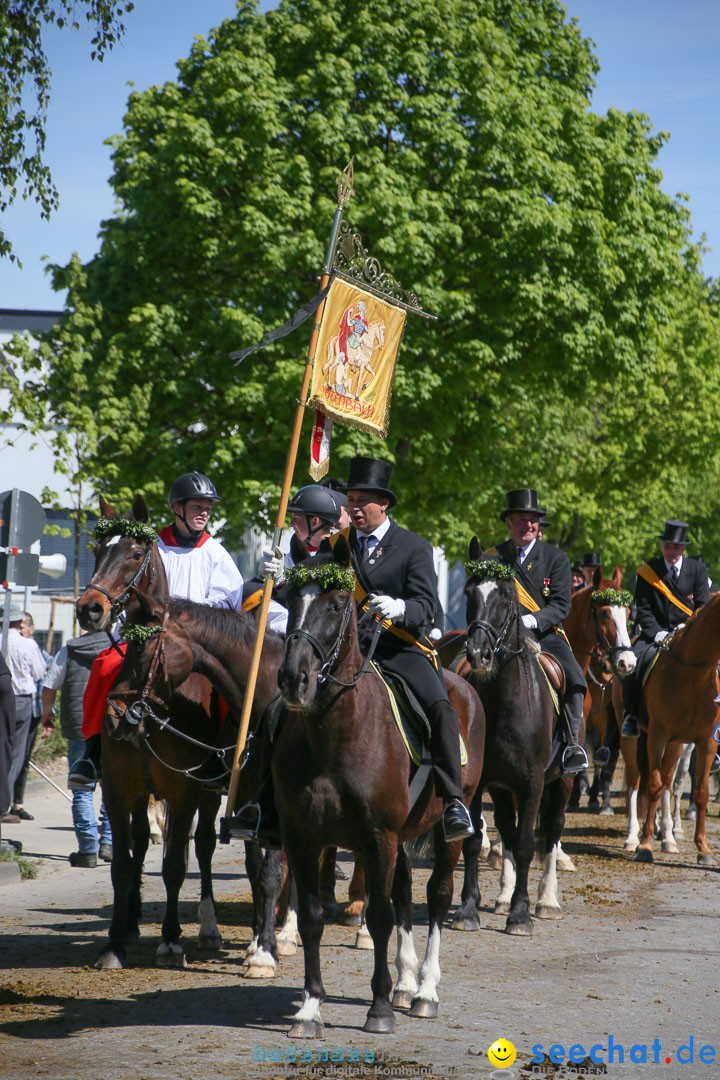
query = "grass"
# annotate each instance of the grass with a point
(47, 750)
(28, 868)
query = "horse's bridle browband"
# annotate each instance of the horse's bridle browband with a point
(329, 661)
(497, 637)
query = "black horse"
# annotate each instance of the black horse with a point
(521, 768)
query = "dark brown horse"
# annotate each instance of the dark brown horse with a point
(341, 773)
(521, 768)
(128, 566)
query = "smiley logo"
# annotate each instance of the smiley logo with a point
(502, 1053)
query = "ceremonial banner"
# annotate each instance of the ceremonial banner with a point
(320, 446)
(357, 348)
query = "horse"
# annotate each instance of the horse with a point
(680, 705)
(521, 767)
(342, 372)
(128, 567)
(341, 772)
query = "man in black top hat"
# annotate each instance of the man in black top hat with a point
(543, 571)
(668, 589)
(590, 562)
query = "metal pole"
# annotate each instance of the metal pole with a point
(345, 191)
(51, 782)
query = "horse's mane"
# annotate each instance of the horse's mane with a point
(218, 620)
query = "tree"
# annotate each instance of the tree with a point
(564, 280)
(23, 62)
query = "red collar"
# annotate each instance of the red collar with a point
(168, 538)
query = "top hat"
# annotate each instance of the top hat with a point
(521, 499)
(371, 474)
(591, 558)
(675, 532)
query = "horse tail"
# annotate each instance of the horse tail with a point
(420, 848)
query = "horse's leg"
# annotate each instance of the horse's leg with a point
(353, 914)
(406, 960)
(650, 775)
(678, 784)
(439, 899)
(564, 862)
(121, 871)
(140, 841)
(328, 860)
(518, 920)
(505, 824)
(304, 864)
(379, 863)
(253, 867)
(170, 952)
(705, 752)
(156, 819)
(552, 823)
(287, 936)
(594, 791)
(466, 917)
(262, 962)
(667, 840)
(205, 840)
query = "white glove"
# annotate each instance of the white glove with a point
(681, 626)
(660, 636)
(435, 634)
(529, 622)
(272, 563)
(387, 606)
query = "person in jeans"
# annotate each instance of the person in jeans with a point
(71, 671)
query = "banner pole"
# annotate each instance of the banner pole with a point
(345, 191)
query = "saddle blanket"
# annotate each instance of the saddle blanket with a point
(408, 723)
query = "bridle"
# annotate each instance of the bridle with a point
(495, 637)
(329, 660)
(118, 603)
(602, 649)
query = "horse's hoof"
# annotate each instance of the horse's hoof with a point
(630, 845)
(607, 811)
(548, 911)
(565, 863)
(690, 813)
(669, 847)
(706, 859)
(424, 1009)
(363, 940)
(519, 929)
(109, 960)
(352, 920)
(260, 971)
(209, 942)
(643, 854)
(307, 1029)
(380, 1025)
(469, 923)
(402, 999)
(593, 806)
(502, 907)
(171, 956)
(286, 947)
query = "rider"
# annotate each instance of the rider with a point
(395, 569)
(590, 562)
(667, 591)
(543, 572)
(198, 568)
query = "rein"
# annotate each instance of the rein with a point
(118, 603)
(496, 637)
(328, 661)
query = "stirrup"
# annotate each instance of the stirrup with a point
(241, 827)
(581, 763)
(83, 775)
(601, 757)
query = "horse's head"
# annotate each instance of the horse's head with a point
(124, 558)
(609, 605)
(159, 658)
(492, 610)
(320, 624)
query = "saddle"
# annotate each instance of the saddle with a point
(553, 671)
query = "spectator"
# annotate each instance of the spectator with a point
(27, 668)
(71, 671)
(27, 629)
(7, 727)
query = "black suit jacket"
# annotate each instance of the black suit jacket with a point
(655, 612)
(402, 567)
(543, 563)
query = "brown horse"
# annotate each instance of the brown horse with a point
(342, 773)
(128, 567)
(680, 706)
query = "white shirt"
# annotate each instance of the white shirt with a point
(373, 538)
(58, 670)
(523, 552)
(25, 661)
(205, 574)
(671, 567)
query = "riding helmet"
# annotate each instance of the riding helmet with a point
(192, 485)
(316, 501)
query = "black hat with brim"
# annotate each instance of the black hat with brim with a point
(591, 558)
(675, 532)
(521, 499)
(577, 567)
(371, 474)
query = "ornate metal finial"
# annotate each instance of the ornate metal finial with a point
(352, 262)
(345, 183)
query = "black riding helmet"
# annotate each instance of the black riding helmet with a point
(192, 485)
(314, 500)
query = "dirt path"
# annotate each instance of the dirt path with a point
(634, 958)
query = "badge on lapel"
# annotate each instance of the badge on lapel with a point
(376, 555)
(546, 586)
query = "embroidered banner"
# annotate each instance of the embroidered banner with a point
(357, 348)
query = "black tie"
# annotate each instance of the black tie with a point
(674, 575)
(365, 543)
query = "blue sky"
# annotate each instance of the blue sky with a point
(657, 56)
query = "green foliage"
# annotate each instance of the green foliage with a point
(28, 868)
(137, 634)
(105, 527)
(327, 576)
(23, 64)
(576, 348)
(55, 746)
(489, 570)
(613, 597)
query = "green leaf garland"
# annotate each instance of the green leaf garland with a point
(138, 530)
(490, 569)
(137, 634)
(614, 597)
(327, 576)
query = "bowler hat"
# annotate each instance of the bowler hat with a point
(675, 532)
(370, 474)
(521, 499)
(591, 558)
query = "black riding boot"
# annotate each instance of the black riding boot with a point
(258, 820)
(445, 754)
(574, 758)
(630, 706)
(85, 773)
